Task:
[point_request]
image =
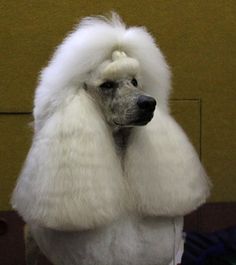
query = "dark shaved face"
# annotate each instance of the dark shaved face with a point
(118, 100)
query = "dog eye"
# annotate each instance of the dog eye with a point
(108, 85)
(134, 82)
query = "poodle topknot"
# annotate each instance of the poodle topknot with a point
(104, 143)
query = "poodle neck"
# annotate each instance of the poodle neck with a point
(121, 137)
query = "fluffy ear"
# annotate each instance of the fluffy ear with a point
(72, 178)
(163, 169)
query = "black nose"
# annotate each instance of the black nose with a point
(146, 103)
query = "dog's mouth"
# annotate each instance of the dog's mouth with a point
(142, 120)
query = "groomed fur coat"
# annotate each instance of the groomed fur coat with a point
(73, 179)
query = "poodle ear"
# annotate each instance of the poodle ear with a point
(72, 178)
(163, 169)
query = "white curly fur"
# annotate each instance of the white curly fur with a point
(163, 169)
(67, 181)
(73, 178)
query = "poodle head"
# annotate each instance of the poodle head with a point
(121, 72)
(116, 86)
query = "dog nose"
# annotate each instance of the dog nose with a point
(146, 103)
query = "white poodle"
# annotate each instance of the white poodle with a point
(98, 187)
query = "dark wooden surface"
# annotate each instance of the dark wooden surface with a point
(209, 218)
